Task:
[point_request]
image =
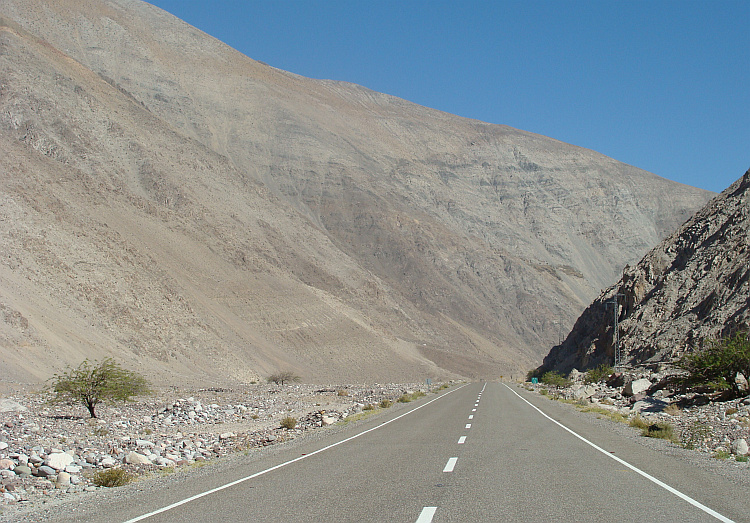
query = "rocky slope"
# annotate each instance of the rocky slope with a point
(205, 217)
(694, 285)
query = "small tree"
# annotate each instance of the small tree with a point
(600, 373)
(283, 377)
(94, 382)
(718, 363)
(555, 379)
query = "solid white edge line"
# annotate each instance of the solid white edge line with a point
(450, 465)
(646, 475)
(300, 458)
(426, 515)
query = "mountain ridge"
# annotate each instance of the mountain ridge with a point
(348, 237)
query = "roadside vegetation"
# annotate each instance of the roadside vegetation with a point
(92, 383)
(717, 363)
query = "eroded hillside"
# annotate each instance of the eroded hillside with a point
(172, 202)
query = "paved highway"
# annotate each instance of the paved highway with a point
(478, 452)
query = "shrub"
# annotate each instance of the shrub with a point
(638, 422)
(722, 454)
(342, 392)
(406, 398)
(600, 373)
(92, 383)
(280, 378)
(660, 430)
(384, 404)
(672, 409)
(114, 477)
(731, 411)
(555, 379)
(369, 406)
(718, 362)
(742, 459)
(288, 423)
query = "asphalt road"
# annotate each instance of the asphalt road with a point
(479, 452)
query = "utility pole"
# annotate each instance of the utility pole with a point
(615, 302)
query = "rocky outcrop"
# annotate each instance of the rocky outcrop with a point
(693, 286)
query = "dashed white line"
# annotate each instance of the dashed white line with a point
(462, 440)
(426, 515)
(468, 425)
(471, 416)
(473, 410)
(275, 467)
(450, 465)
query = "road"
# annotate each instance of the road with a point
(478, 452)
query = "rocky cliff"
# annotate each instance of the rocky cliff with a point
(695, 285)
(190, 211)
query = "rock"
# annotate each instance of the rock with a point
(576, 376)
(63, 479)
(22, 470)
(636, 387)
(59, 460)
(7, 464)
(581, 392)
(133, 458)
(328, 420)
(45, 471)
(73, 469)
(739, 447)
(108, 462)
(3, 445)
(616, 380)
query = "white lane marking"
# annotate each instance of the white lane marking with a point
(462, 440)
(473, 410)
(484, 386)
(468, 425)
(426, 515)
(649, 477)
(299, 458)
(471, 416)
(450, 465)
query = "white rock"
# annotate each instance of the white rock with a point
(73, 469)
(63, 478)
(144, 443)
(636, 387)
(329, 420)
(59, 460)
(134, 458)
(108, 462)
(3, 445)
(739, 447)
(581, 392)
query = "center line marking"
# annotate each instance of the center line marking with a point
(462, 440)
(468, 425)
(473, 410)
(471, 416)
(284, 464)
(426, 515)
(450, 465)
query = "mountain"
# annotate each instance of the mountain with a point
(693, 286)
(203, 216)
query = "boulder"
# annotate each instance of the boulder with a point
(22, 470)
(59, 460)
(7, 464)
(8, 405)
(133, 458)
(63, 480)
(739, 447)
(616, 380)
(636, 387)
(581, 392)
(44, 471)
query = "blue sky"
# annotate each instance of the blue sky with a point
(661, 85)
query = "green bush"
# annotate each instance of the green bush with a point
(114, 477)
(288, 423)
(92, 383)
(718, 362)
(638, 422)
(384, 404)
(600, 373)
(369, 406)
(555, 379)
(722, 454)
(742, 459)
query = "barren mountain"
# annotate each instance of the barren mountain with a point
(695, 285)
(184, 208)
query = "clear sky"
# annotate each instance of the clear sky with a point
(661, 85)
